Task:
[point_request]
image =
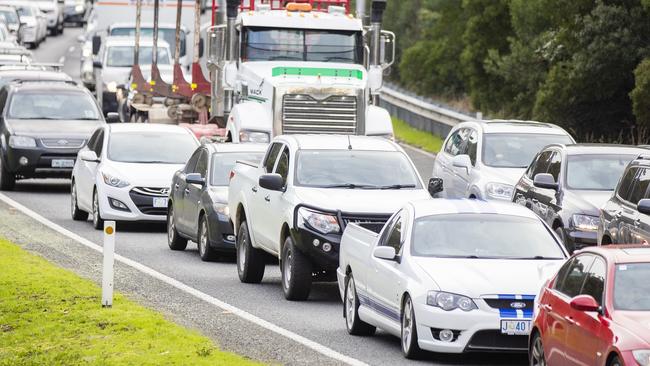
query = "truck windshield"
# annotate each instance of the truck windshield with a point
(122, 56)
(271, 44)
(354, 169)
(167, 34)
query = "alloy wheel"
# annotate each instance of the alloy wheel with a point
(241, 252)
(95, 209)
(350, 309)
(170, 226)
(73, 199)
(286, 268)
(537, 353)
(203, 238)
(407, 325)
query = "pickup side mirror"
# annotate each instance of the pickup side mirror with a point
(88, 155)
(195, 178)
(584, 303)
(112, 117)
(435, 186)
(545, 180)
(644, 206)
(462, 161)
(384, 252)
(272, 182)
(97, 64)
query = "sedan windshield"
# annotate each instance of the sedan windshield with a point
(8, 17)
(493, 236)
(167, 34)
(57, 105)
(595, 172)
(501, 150)
(355, 169)
(222, 164)
(25, 11)
(151, 147)
(631, 287)
(122, 56)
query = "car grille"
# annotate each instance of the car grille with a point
(493, 340)
(303, 113)
(508, 304)
(154, 192)
(142, 197)
(372, 221)
(63, 143)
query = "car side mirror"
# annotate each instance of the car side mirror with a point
(272, 182)
(384, 252)
(88, 155)
(462, 161)
(584, 303)
(195, 178)
(97, 64)
(644, 206)
(545, 180)
(112, 117)
(97, 43)
(435, 186)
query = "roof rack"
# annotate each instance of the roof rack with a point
(518, 121)
(643, 157)
(20, 82)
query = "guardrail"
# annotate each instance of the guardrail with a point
(419, 112)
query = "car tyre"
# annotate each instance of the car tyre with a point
(353, 323)
(76, 213)
(174, 240)
(560, 234)
(98, 222)
(409, 334)
(207, 253)
(7, 179)
(536, 352)
(250, 261)
(296, 272)
(615, 361)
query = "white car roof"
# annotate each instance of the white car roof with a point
(147, 127)
(144, 25)
(338, 142)
(231, 147)
(519, 126)
(130, 41)
(440, 206)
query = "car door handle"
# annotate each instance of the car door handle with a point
(569, 319)
(267, 198)
(254, 189)
(187, 191)
(637, 222)
(547, 307)
(176, 186)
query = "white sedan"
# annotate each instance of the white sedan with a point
(448, 276)
(125, 171)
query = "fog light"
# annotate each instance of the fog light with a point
(230, 237)
(23, 160)
(327, 247)
(446, 335)
(316, 242)
(117, 204)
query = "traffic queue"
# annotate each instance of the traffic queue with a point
(506, 247)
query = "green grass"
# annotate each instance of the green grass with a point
(50, 316)
(414, 137)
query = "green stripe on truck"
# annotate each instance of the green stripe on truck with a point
(315, 71)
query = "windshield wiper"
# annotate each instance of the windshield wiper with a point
(537, 257)
(350, 186)
(397, 186)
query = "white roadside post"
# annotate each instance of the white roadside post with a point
(107, 272)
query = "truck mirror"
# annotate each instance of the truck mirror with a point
(375, 78)
(97, 42)
(387, 49)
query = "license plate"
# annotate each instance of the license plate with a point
(515, 327)
(160, 202)
(62, 163)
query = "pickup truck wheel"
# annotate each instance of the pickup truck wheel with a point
(205, 251)
(410, 346)
(353, 323)
(174, 240)
(296, 272)
(250, 261)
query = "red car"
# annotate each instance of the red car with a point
(596, 310)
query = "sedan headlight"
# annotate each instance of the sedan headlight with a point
(254, 136)
(642, 356)
(585, 222)
(21, 141)
(499, 191)
(114, 181)
(222, 209)
(448, 301)
(321, 222)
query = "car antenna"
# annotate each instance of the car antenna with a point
(349, 143)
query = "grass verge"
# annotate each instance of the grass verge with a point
(414, 137)
(50, 316)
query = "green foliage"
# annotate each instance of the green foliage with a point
(640, 95)
(414, 137)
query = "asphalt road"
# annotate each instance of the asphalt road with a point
(319, 319)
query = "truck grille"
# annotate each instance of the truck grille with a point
(370, 221)
(303, 113)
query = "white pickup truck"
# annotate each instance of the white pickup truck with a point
(296, 204)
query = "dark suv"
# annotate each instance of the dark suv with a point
(625, 218)
(42, 127)
(566, 185)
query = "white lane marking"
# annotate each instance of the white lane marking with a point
(62, 59)
(71, 49)
(418, 150)
(187, 289)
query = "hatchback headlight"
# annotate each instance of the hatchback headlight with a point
(499, 191)
(21, 141)
(114, 181)
(254, 136)
(222, 208)
(448, 301)
(642, 356)
(321, 222)
(585, 222)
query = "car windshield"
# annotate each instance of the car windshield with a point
(8, 17)
(271, 44)
(24, 11)
(595, 172)
(151, 147)
(355, 169)
(509, 150)
(223, 163)
(167, 34)
(122, 56)
(493, 236)
(58, 105)
(631, 287)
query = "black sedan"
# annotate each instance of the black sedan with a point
(198, 206)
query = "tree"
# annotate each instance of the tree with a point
(640, 95)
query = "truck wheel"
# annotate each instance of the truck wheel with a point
(7, 179)
(353, 323)
(205, 251)
(250, 261)
(296, 272)
(175, 241)
(77, 214)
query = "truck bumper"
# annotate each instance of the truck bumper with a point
(313, 245)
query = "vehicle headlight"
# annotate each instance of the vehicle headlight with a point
(642, 356)
(222, 208)
(79, 8)
(321, 222)
(254, 136)
(111, 87)
(21, 141)
(114, 181)
(448, 301)
(585, 222)
(499, 191)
